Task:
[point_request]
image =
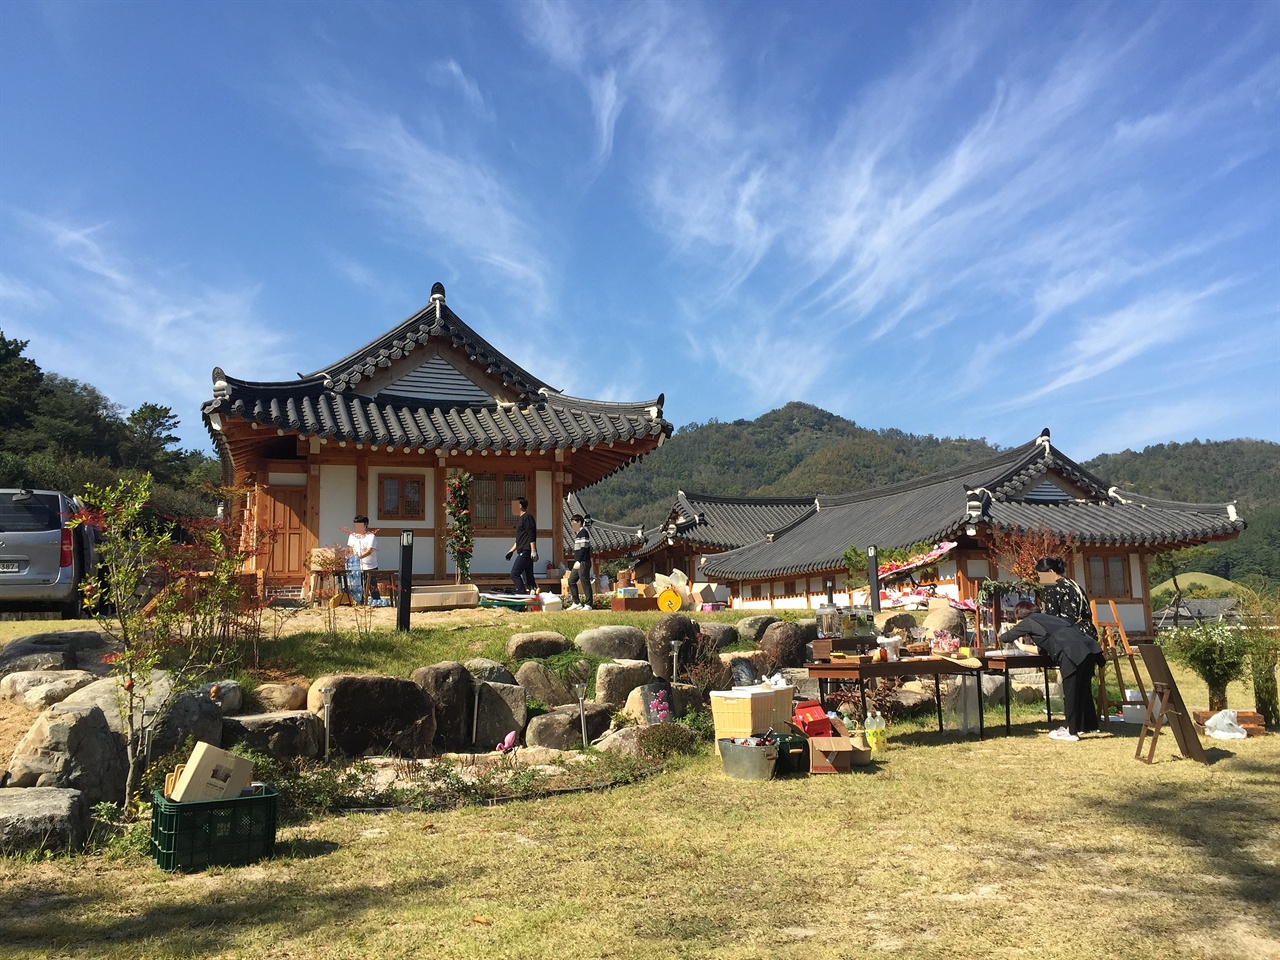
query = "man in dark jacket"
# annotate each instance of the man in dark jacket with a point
(525, 548)
(581, 572)
(1076, 654)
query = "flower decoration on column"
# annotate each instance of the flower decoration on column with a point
(461, 537)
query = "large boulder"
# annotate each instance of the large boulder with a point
(490, 671)
(750, 629)
(612, 641)
(943, 616)
(274, 697)
(535, 646)
(808, 629)
(561, 728)
(227, 694)
(616, 679)
(540, 682)
(684, 699)
(285, 734)
(500, 708)
(721, 634)
(888, 621)
(71, 746)
(43, 688)
(43, 818)
(624, 742)
(671, 628)
(373, 715)
(449, 684)
(783, 644)
(181, 715)
(807, 688)
(57, 650)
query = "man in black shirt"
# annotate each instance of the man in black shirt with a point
(525, 548)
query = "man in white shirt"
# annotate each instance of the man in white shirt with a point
(363, 543)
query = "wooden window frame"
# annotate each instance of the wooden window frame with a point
(400, 513)
(1106, 589)
(505, 519)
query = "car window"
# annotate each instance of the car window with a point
(40, 512)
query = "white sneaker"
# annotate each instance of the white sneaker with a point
(1062, 733)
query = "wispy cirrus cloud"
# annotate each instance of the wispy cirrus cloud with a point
(145, 318)
(455, 202)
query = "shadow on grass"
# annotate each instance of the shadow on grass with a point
(190, 923)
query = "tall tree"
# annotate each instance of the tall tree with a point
(19, 384)
(148, 441)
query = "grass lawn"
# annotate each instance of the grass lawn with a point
(946, 847)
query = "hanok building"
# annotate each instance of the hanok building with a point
(379, 431)
(700, 525)
(1028, 488)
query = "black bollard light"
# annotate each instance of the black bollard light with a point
(873, 575)
(406, 580)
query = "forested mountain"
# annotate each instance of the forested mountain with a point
(800, 449)
(59, 434)
(794, 450)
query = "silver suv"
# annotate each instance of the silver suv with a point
(42, 560)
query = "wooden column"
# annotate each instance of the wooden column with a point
(362, 485)
(441, 520)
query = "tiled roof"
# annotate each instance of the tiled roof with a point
(607, 539)
(933, 508)
(525, 415)
(725, 523)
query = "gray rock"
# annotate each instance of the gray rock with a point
(285, 734)
(540, 682)
(668, 630)
(914, 701)
(74, 640)
(994, 688)
(1028, 693)
(26, 658)
(798, 677)
(43, 818)
(888, 621)
(43, 688)
(450, 687)
(561, 728)
(500, 708)
(230, 698)
(181, 715)
(373, 715)
(722, 634)
(686, 699)
(808, 629)
(783, 644)
(490, 671)
(943, 616)
(71, 747)
(624, 742)
(535, 646)
(750, 629)
(280, 696)
(612, 642)
(615, 680)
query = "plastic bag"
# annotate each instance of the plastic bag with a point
(1222, 726)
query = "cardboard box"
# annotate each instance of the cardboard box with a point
(812, 720)
(212, 774)
(831, 754)
(634, 603)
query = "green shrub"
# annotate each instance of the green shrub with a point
(1216, 652)
(665, 740)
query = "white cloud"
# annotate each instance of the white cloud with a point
(94, 313)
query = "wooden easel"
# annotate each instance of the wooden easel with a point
(1113, 639)
(1165, 706)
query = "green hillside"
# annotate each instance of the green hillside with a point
(1212, 471)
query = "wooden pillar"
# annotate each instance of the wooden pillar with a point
(362, 488)
(313, 506)
(441, 520)
(558, 480)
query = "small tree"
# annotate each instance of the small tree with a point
(1216, 652)
(162, 611)
(1167, 566)
(1018, 550)
(1261, 619)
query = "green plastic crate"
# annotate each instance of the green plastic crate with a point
(206, 833)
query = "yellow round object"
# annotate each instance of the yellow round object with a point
(668, 601)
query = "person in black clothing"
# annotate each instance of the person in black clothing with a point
(1063, 597)
(525, 548)
(1076, 654)
(581, 572)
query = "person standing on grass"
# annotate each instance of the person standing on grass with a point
(581, 572)
(1076, 655)
(1063, 597)
(363, 543)
(525, 548)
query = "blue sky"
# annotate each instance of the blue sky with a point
(959, 219)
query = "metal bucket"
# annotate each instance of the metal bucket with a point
(742, 761)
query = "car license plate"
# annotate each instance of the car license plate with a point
(8, 566)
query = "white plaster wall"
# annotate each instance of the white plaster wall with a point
(337, 503)
(1135, 577)
(542, 509)
(489, 556)
(1133, 617)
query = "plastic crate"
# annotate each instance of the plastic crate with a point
(228, 832)
(741, 713)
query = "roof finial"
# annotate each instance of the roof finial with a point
(437, 291)
(1043, 439)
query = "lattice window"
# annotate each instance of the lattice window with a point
(400, 496)
(491, 496)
